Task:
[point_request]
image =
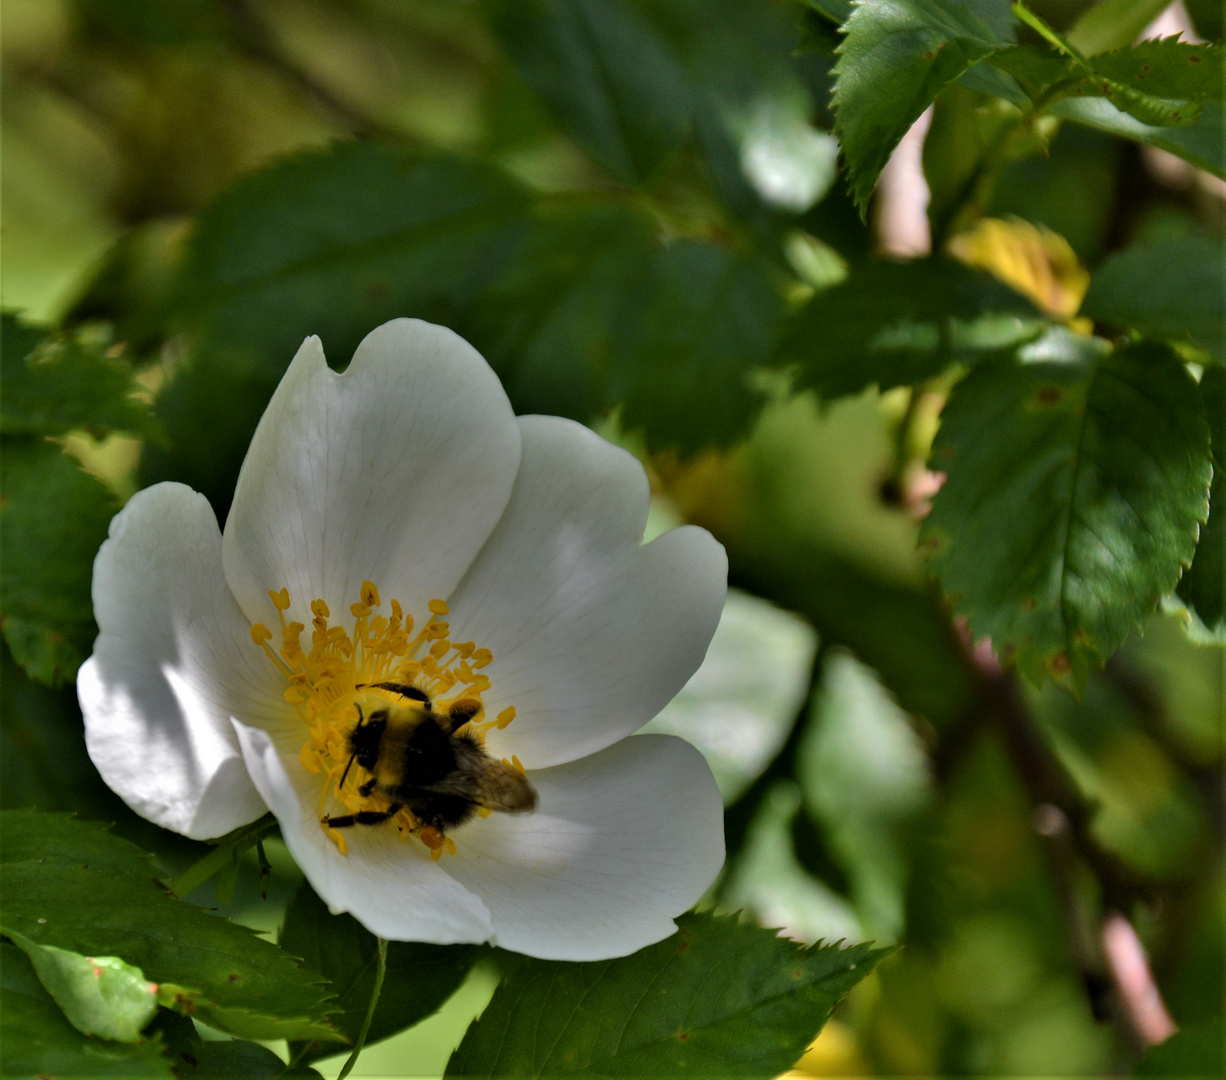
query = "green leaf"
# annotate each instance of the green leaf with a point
(898, 323)
(1195, 1052)
(37, 1039)
(896, 57)
(1075, 490)
(70, 384)
(334, 242)
(1160, 82)
(100, 995)
(1202, 143)
(718, 998)
(53, 519)
(1202, 589)
(418, 980)
(549, 324)
(43, 760)
(220, 1059)
(597, 313)
(1165, 68)
(606, 73)
(69, 884)
(1110, 24)
(1174, 289)
(706, 320)
(330, 242)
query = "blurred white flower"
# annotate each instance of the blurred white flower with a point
(399, 523)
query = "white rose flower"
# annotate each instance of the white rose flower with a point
(398, 523)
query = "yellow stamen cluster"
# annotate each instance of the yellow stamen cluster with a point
(325, 677)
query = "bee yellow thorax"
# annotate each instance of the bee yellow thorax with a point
(332, 672)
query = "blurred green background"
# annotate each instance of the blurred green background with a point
(874, 784)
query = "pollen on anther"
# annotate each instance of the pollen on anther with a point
(260, 634)
(506, 716)
(438, 607)
(280, 599)
(370, 595)
(319, 609)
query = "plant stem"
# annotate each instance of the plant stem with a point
(380, 971)
(228, 849)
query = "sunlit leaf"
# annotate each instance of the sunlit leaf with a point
(896, 57)
(1074, 495)
(419, 978)
(37, 1039)
(718, 998)
(605, 72)
(53, 519)
(1174, 289)
(69, 884)
(896, 324)
(69, 384)
(100, 995)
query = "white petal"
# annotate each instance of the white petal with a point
(174, 661)
(621, 843)
(592, 631)
(395, 472)
(390, 886)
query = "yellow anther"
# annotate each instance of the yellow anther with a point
(323, 677)
(519, 765)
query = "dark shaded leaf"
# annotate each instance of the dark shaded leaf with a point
(1174, 289)
(337, 241)
(1195, 1052)
(1203, 585)
(1074, 494)
(717, 999)
(898, 323)
(419, 977)
(53, 519)
(37, 1039)
(896, 57)
(220, 1059)
(605, 72)
(706, 319)
(69, 884)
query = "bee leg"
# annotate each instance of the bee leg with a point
(459, 714)
(366, 788)
(363, 817)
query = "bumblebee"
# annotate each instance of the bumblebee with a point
(417, 760)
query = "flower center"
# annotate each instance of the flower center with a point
(361, 694)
